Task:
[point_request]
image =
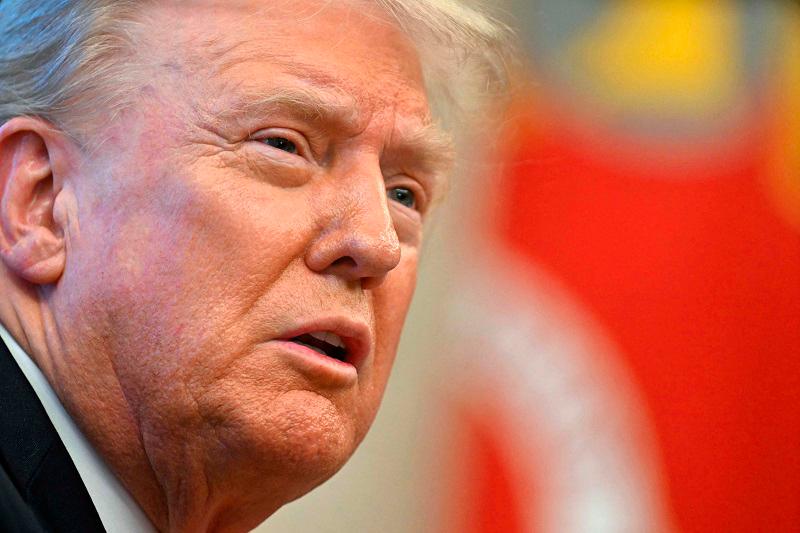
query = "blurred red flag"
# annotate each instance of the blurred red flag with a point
(639, 309)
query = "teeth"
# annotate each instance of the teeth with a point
(334, 339)
(320, 335)
(329, 337)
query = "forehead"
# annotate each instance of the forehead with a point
(347, 46)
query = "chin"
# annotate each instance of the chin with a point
(298, 442)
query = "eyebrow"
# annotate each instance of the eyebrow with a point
(309, 104)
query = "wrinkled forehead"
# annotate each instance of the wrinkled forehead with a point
(350, 47)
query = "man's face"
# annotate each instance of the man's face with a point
(269, 183)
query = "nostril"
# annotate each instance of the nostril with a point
(347, 267)
(345, 261)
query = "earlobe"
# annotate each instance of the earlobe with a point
(38, 257)
(31, 242)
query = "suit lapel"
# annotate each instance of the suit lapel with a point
(35, 462)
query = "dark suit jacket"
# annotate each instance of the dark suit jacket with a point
(40, 489)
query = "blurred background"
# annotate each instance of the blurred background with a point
(606, 336)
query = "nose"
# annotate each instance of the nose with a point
(357, 241)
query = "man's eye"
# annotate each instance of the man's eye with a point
(281, 143)
(403, 196)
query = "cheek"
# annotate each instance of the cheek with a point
(172, 266)
(201, 235)
(391, 301)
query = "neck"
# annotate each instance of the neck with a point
(26, 316)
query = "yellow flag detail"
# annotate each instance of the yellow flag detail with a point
(664, 57)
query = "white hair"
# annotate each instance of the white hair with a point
(69, 60)
(465, 53)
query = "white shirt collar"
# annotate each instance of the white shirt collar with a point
(116, 508)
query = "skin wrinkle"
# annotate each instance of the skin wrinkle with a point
(238, 318)
(434, 149)
(50, 325)
(224, 56)
(54, 347)
(258, 294)
(220, 443)
(140, 431)
(432, 144)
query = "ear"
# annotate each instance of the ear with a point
(32, 243)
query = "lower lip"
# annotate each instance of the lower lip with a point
(319, 365)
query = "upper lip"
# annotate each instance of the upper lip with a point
(355, 335)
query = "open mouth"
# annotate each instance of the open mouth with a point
(323, 342)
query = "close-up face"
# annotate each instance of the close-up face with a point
(246, 238)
